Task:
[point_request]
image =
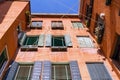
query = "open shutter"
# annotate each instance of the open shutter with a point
(21, 42)
(41, 40)
(48, 40)
(37, 69)
(75, 71)
(46, 75)
(98, 71)
(68, 40)
(12, 72)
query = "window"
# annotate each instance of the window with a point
(99, 28)
(24, 72)
(44, 70)
(30, 43)
(108, 2)
(36, 24)
(3, 60)
(116, 55)
(61, 72)
(89, 9)
(77, 24)
(98, 71)
(85, 42)
(58, 43)
(57, 25)
(31, 40)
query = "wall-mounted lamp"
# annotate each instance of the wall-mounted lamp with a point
(102, 16)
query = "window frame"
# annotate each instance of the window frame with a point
(65, 64)
(25, 64)
(116, 51)
(27, 36)
(34, 27)
(5, 48)
(92, 45)
(76, 22)
(58, 48)
(61, 37)
(57, 27)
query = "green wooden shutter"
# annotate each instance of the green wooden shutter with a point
(75, 25)
(48, 40)
(68, 40)
(98, 71)
(75, 72)
(41, 40)
(37, 70)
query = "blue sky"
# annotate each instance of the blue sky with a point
(55, 6)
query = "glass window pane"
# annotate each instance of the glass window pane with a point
(31, 40)
(61, 72)
(24, 72)
(58, 41)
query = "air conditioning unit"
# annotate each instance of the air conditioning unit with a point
(108, 2)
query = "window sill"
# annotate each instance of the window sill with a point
(29, 48)
(59, 48)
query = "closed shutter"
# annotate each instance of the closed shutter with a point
(37, 69)
(75, 25)
(88, 42)
(39, 24)
(41, 40)
(53, 25)
(12, 72)
(68, 40)
(48, 40)
(33, 24)
(75, 73)
(22, 39)
(81, 42)
(98, 71)
(80, 25)
(46, 75)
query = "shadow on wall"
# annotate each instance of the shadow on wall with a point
(4, 7)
